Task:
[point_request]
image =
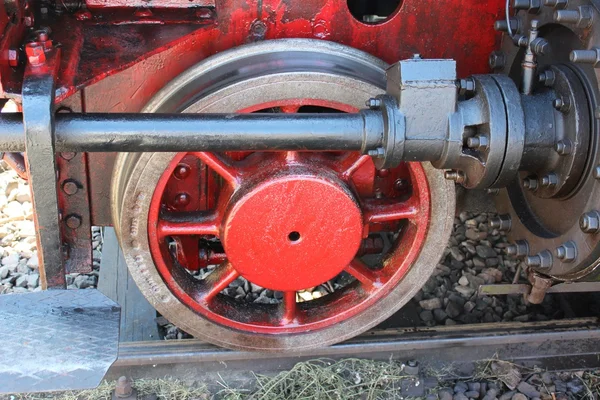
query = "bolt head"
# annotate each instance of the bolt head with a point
(530, 183)
(547, 78)
(550, 180)
(123, 389)
(373, 103)
(563, 147)
(497, 60)
(567, 252)
(466, 86)
(590, 222)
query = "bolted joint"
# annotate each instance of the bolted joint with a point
(456, 176)
(502, 223)
(377, 153)
(520, 41)
(562, 104)
(540, 46)
(582, 17)
(564, 147)
(547, 78)
(567, 252)
(502, 25)
(73, 221)
(480, 142)
(373, 103)
(124, 389)
(497, 60)
(519, 249)
(466, 86)
(558, 4)
(590, 222)
(591, 56)
(530, 183)
(549, 180)
(542, 260)
(531, 6)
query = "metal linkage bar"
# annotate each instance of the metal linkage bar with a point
(203, 132)
(38, 112)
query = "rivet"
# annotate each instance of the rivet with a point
(70, 187)
(182, 200)
(68, 156)
(182, 171)
(73, 221)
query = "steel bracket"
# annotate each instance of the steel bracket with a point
(38, 121)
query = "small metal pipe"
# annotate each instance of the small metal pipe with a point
(203, 132)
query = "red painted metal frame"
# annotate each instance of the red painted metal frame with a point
(112, 39)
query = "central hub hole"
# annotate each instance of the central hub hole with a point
(294, 236)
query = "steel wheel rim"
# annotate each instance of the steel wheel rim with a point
(130, 228)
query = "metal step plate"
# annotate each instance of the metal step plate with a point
(56, 340)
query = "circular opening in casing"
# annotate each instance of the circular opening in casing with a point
(373, 11)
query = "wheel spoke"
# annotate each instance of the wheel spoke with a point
(189, 224)
(289, 307)
(221, 166)
(375, 211)
(218, 280)
(369, 278)
(351, 163)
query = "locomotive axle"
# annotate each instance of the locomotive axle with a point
(482, 129)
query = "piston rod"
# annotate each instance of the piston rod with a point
(203, 132)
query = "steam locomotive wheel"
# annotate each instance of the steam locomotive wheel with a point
(283, 221)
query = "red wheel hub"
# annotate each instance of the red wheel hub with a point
(292, 231)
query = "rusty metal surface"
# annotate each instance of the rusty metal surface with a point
(73, 198)
(62, 339)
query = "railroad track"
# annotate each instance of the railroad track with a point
(552, 345)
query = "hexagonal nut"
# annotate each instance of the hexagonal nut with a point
(497, 60)
(567, 252)
(590, 222)
(35, 53)
(466, 86)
